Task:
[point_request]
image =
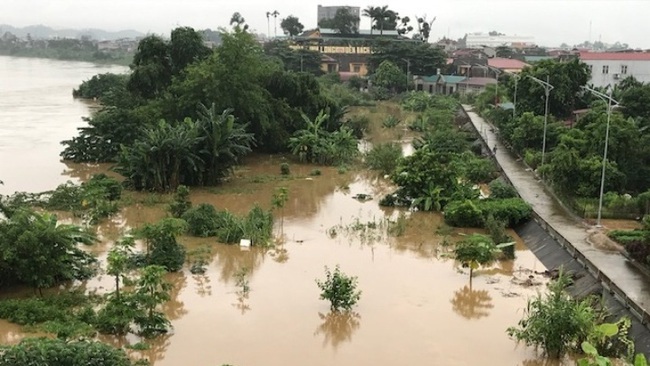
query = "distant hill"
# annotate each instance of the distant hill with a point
(44, 32)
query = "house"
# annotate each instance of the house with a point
(438, 84)
(510, 65)
(474, 84)
(609, 68)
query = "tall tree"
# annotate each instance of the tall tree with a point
(238, 22)
(275, 15)
(344, 22)
(291, 26)
(151, 69)
(404, 26)
(385, 19)
(424, 59)
(186, 46)
(424, 28)
(371, 12)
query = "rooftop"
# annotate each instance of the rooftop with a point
(623, 56)
(506, 63)
(478, 81)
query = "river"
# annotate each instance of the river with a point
(417, 306)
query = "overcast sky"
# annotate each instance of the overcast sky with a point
(551, 22)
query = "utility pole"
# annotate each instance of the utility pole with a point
(547, 91)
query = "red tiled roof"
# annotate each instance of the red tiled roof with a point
(506, 63)
(624, 56)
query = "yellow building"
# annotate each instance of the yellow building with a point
(342, 53)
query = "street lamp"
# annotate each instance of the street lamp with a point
(547, 90)
(514, 104)
(408, 71)
(610, 100)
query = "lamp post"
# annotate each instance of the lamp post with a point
(605, 97)
(408, 71)
(514, 104)
(547, 91)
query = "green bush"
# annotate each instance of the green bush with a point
(181, 202)
(359, 125)
(511, 211)
(340, 289)
(384, 157)
(285, 169)
(57, 352)
(202, 220)
(417, 101)
(390, 122)
(556, 322)
(500, 189)
(464, 214)
(639, 251)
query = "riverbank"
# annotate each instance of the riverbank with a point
(121, 58)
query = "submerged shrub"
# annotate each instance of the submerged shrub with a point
(473, 213)
(202, 220)
(339, 289)
(57, 352)
(384, 157)
(285, 169)
(181, 202)
(500, 189)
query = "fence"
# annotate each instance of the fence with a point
(639, 312)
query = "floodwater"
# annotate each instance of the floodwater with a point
(417, 305)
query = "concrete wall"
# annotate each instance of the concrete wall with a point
(640, 69)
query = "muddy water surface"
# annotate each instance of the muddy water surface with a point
(417, 307)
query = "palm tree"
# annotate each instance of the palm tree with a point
(371, 12)
(268, 24)
(383, 14)
(275, 15)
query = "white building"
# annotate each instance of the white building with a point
(609, 68)
(328, 12)
(479, 40)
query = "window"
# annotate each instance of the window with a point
(356, 68)
(623, 69)
(332, 68)
(605, 69)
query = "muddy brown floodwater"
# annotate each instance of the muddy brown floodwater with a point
(417, 305)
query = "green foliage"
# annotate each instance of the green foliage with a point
(291, 26)
(118, 261)
(424, 57)
(285, 169)
(390, 77)
(474, 251)
(555, 322)
(500, 189)
(150, 293)
(339, 289)
(57, 352)
(162, 247)
(497, 231)
(191, 152)
(181, 202)
(301, 60)
(316, 145)
(417, 101)
(202, 220)
(40, 252)
(511, 211)
(345, 96)
(100, 86)
(384, 157)
(390, 122)
(359, 124)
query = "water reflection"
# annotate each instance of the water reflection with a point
(338, 327)
(472, 304)
(84, 171)
(202, 285)
(174, 308)
(242, 302)
(230, 259)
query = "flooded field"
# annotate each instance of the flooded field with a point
(417, 305)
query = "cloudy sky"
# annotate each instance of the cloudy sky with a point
(551, 22)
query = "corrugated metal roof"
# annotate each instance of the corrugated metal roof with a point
(506, 63)
(452, 79)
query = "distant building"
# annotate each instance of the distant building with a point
(609, 68)
(480, 40)
(328, 12)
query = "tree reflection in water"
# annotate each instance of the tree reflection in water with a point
(337, 327)
(472, 304)
(174, 308)
(242, 304)
(202, 285)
